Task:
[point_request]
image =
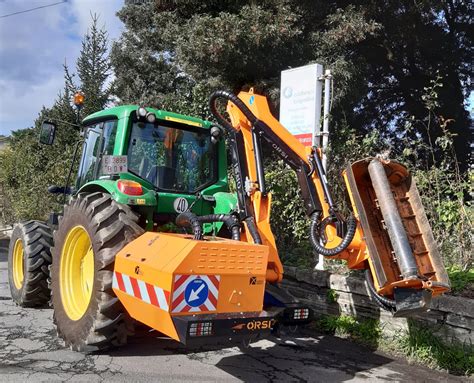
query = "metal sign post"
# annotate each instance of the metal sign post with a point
(325, 136)
(327, 100)
(300, 109)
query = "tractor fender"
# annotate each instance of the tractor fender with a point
(148, 197)
(225, 203)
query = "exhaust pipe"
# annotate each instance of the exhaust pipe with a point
(396, 231)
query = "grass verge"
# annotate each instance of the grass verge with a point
(462, 281)
(366, 332)
(418, 344)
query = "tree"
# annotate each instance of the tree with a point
(382, 53)
(93, 68)
(417, 43)
(28, 168)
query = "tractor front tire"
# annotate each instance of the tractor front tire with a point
(87, 314)
(29, 257)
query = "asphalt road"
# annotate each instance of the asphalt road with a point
(30, 351)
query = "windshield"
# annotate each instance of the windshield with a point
(172, 159)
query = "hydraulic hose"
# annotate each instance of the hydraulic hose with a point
(253, 230)
(231, 221)
(315, 237)
(385, 303)
(188, 219)
(229, 96)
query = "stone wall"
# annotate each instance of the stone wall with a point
(449, 317)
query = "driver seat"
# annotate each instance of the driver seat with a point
(162, 176)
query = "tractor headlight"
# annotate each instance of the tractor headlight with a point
(141, 112)
(151, 118)
(216, 133)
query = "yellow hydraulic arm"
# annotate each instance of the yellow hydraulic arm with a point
(387, 235)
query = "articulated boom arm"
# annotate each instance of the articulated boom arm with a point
(388, 235)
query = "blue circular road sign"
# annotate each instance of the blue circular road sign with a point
(196, 292)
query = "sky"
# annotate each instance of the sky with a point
(35, 45)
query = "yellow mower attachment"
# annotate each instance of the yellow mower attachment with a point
(187, 288)
(403, 257)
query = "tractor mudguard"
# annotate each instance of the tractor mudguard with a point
(148, 198)
(225, 202)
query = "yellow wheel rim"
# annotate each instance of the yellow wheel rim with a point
(76, 272)
(18, 273)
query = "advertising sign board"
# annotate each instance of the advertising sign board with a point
(300, 102)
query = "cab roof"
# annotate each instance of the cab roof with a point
(124, 111)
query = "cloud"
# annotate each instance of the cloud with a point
(19, 109)
(106, 9)
(33, 48)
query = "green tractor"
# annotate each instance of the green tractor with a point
(140, 167)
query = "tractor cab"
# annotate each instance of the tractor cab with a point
(139, 155)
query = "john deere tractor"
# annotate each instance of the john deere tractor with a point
(139, 169)
(151, 234)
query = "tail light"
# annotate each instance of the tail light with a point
(301, 314)
(200, 329)
(130, 187)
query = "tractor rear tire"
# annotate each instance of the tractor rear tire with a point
(29, 257)
(87, 314)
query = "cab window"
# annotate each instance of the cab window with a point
(99, 141)
(172, 159)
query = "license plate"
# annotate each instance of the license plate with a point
(114, 164)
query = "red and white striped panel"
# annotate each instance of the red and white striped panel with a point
(179, 304)
(137, 288)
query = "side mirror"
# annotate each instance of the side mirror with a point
(47, 133)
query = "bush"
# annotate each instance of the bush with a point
(365, 331)
(421, 345)
(462, 281)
